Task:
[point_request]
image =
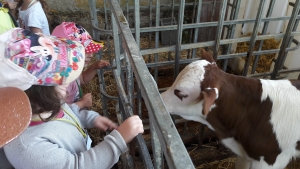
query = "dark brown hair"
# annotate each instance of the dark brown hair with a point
(44, 99)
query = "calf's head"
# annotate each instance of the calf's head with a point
(194, 91)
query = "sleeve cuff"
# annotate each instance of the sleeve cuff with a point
(118, 139)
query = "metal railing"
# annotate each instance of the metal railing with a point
(137, 87)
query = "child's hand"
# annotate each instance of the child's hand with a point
(101, 63)
(130, 128)
(104, 124)
(85, 101)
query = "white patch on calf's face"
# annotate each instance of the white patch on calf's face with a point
(187, 84)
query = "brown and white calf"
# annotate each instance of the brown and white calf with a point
(257, 119)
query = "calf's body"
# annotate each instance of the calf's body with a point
(257, 119)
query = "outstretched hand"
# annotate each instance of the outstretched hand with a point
(103, 124)
(100, 64)
(130, 128)
(86, 101)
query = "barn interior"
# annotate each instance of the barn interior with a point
(149, 42)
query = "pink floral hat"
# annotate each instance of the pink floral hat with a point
(73, 31)
(28, 59)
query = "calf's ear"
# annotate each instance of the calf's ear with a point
(209, 97)
(206, 56)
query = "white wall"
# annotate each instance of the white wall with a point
(293, 57)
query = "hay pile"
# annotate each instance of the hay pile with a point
(265, 61)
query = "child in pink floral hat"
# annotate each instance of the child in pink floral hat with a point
(75, 32)
(43, 66)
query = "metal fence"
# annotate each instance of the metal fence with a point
(125, 26)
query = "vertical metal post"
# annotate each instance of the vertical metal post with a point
(157, 18)
(156, 148)
(253, 37)
(137, 21)
(212, 18)
(196, 30)
(219, 30)
(231, 30)
(130, 83)
(93, 13)
(265, 28)
(285, 40)
(150, 25)
(179, 36)
(291, 39)
(116, 44)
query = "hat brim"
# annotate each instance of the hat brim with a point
(93, 47)
(15, 113)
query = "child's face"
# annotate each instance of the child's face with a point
(88, 57)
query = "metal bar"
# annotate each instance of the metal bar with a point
(211, 18)
(210, 43)
(253, 37)
(130, 82)
(285, 40)
(179, 37)
(163, 6)
(128, 113)
(228, 56)
(139, 100)
(290, 41)
(127, 10)
(200, 25)
(93, 15)
(165, 128)
(196, 30)
(211, 24)
(219, 30)
(156, 148)
(157, 18)
(236, 5)
(150, 25)
(265, 28)
(116, 44)
(137, 21)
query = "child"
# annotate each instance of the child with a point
(7, 20)
(70, 30)
(32, 15)
(56, 137)
(13, 103)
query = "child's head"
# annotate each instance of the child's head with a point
(44, 99)
(73, 31)
(37, 64)
(28, 59)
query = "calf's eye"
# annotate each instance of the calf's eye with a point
(179, 94)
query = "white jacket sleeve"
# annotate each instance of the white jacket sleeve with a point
(86, 117)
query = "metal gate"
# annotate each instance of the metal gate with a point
(128, 23)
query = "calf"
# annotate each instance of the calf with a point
(257, 119)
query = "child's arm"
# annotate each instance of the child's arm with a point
(85, 101)
(91, 71)
(35, 30)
